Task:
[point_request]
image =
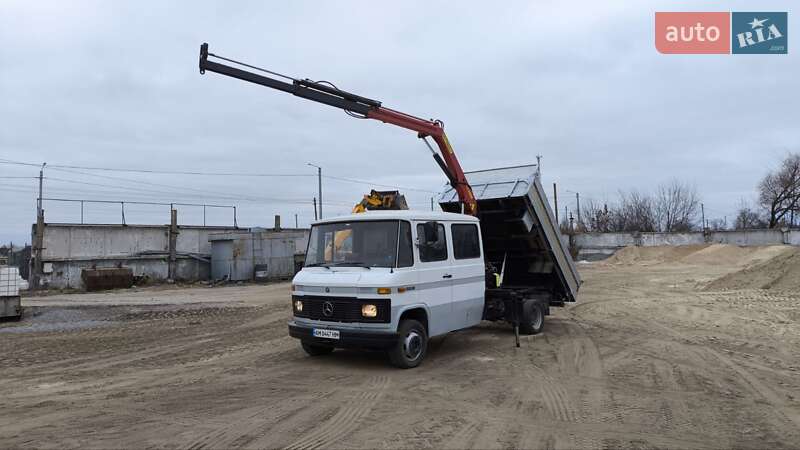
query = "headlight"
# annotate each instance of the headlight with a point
(369, 310)
(298, 306)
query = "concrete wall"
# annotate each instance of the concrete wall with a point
(594, 246)
(69, 248)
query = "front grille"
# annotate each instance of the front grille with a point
(345, 309)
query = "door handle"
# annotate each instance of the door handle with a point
(447, 276)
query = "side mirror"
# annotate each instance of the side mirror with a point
(431, 232)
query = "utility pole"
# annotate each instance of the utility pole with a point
(703, 215)
(578, 207)
(432, 204)
(538, 165)
(555, 200)
(319, 186)
(295, 221)
(315, 208)
(38, 266)
(39, 201)
(173, 242)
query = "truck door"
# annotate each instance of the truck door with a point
(435, 282)
(469, 285)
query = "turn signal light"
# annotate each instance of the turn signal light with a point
(369, 310)
(292, 288)
(384, 290)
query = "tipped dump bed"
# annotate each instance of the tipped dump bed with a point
(519, 228)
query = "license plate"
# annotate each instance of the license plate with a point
(328, 334)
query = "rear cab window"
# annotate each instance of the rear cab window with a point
(466, 243)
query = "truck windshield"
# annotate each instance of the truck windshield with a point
(359, 244)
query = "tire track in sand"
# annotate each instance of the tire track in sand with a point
(248, 424)
(346, 419)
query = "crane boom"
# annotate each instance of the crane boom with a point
(360, 107)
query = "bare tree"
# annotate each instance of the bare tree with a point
(597, 217)
(717, 225)
(779, 191)
(747, 218)
(634, 212)
(675, 206)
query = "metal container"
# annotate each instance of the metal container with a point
(10, 285)
(107, 278)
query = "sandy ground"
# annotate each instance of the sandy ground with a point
(646, 359)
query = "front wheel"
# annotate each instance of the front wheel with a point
(411, 346)
(532, 318)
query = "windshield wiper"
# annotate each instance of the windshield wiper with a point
(351, 263)
(319, 265)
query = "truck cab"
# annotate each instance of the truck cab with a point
(392, 279)
(388, 280)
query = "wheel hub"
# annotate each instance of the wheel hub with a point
(412, 345)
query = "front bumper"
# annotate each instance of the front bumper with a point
(348, 338)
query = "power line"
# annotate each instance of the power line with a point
(216, 195)
(352, 180)
(171, 195)
(8, 161)
(237, 174)
(180, 172)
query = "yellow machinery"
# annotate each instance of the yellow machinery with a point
(381, 200)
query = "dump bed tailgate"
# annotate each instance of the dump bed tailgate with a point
(517, 219)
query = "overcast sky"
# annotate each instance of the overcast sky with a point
(116, 84)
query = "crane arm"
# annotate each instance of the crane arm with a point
(357, 106)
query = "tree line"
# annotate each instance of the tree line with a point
(675, 206)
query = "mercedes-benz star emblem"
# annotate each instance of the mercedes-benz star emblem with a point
(327, 309)
(327, 289)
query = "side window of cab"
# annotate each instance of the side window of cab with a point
(432, 242)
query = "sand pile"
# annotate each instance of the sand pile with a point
(776, 267)
(720, 254)
(653, 255)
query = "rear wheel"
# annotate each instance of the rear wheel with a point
(532, 317)
(411, 346)
(316, 350)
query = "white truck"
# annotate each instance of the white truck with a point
(393, 279)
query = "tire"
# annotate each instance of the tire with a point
(316, 350)
(411, 346)
(532, 318)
